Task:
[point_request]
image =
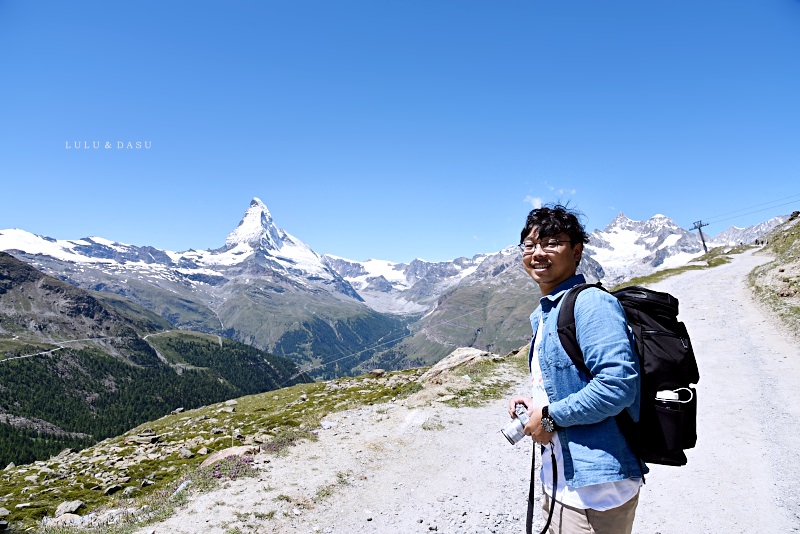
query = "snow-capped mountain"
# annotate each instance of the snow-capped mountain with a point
(734, 235)
(624, 249)
(267, 288)
(403, 287)
(628, 248)
(264, 287)
(256, 244)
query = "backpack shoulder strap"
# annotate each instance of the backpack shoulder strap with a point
(567, 332)
(569, 340)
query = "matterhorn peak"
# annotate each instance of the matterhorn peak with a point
(256, 229)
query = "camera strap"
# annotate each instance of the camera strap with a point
(529, 518)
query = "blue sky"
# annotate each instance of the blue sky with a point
(394, 129)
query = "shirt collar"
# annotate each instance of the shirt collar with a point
(564, 286)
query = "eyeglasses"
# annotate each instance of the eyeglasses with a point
(550, 245)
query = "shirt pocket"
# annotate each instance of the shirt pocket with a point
(556, 355)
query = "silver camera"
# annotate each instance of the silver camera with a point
(514, 430)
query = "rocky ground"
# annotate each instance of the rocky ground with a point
(417, 465)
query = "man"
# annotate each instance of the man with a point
(571, 414)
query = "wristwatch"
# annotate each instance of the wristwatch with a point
(548, 423)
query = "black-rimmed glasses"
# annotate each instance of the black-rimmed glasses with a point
(548, 245)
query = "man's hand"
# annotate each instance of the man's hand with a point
(512, 405)
(534, 427)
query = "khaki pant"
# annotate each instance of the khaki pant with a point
(569, 520)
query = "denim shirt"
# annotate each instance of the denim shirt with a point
(594, 449)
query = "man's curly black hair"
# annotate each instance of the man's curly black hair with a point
(552, 220)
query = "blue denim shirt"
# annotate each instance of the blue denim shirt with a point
(594, 449)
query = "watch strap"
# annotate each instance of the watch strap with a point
(549, 418)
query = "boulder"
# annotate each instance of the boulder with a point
(241, 450)
(458, 357)
(63, 454)
(69, 507)
(112, 489)
(143, 439)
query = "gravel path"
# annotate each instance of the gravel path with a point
(417, 466)
(744, 474)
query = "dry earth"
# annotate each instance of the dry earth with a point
(419, 466)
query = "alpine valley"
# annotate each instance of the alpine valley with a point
(121, 334)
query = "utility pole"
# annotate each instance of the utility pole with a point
(699, 227)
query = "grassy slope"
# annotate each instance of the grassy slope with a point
(280, 418)
(73, 397)
(777, 284)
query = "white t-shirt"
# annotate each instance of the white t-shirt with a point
(603, 496)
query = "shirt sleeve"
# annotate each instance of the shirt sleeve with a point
(609, 353)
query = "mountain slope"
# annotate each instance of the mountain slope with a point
(778, 283)
(264, 287)
(486, 302)
(78, 366)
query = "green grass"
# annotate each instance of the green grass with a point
(782, 295)
(280, 418)
(487, 380)
(342, 479)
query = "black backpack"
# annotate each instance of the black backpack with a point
(667, 425)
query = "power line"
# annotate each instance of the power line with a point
(60, 345)
(751, 210)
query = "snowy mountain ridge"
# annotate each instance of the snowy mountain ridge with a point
(624, 248)
(267, 288)
(256, 234)
(627, 248)
(403, 288)
(735, 235)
